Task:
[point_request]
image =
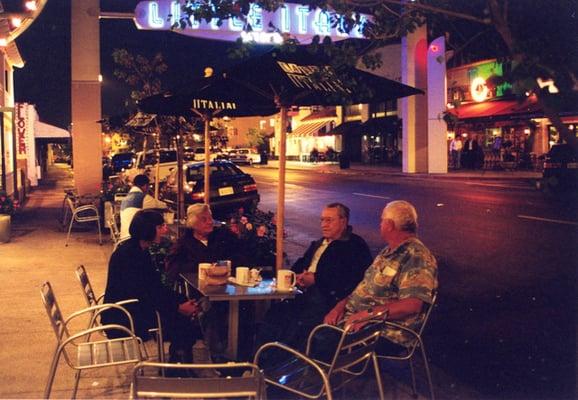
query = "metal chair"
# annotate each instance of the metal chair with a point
(410, 351)
(146, 382)
(79, 352)
(92, 300)
(312, 378)
(82, 214)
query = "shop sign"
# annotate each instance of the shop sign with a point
(295, 20)
(486, 81)
(21, 131)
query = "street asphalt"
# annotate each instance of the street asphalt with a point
(37, 253)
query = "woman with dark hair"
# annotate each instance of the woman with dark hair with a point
(131, 275)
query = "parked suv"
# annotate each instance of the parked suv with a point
(561, 168)
(230, 187)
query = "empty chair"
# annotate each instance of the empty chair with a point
(416, 343)
(146, 382)
(311, 378)
(92, 300)
(79, 351)
(82, 214)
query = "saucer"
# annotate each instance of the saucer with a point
(250, 284)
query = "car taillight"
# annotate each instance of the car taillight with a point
(198, 196)
(552, 165)
(250, 188)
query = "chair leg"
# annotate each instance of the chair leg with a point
(427, 372)
(69, 229)
(76, 381)
(413, 383)
(52, 373)
(378, 377)
(99, 233)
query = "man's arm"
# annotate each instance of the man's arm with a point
(150, 202)
(396, 310)
(336, 314)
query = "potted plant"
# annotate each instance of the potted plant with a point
(6, 211)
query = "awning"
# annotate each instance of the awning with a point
(47, 131)
(349, 127)
(321, 114)
(380, 125)
(308, 129)
(498, 110)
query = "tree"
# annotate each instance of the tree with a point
(539, 37)
(143, 75)
(255, 137)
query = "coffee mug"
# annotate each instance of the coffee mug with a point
(242, 275)
(286, 280)
(203, 272)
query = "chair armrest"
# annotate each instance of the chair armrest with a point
(86, 208)
(316, 330)
(291, 351)
(97, 310)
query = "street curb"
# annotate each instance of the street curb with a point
(530, 177)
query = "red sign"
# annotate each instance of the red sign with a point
(21, 129)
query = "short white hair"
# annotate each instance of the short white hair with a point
(403, 215)
(194, 211)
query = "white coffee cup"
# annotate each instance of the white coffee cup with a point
(242, 275)
(203, 272)
(286, 280)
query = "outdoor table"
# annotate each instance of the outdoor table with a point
(234, 294)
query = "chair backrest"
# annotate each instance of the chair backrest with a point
(86, 286)
(356, 348)
(148, 383)
(70, 203)
(427, 313)
(53, 310)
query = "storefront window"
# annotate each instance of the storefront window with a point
(554, 136)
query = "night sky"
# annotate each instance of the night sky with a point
(45, 48)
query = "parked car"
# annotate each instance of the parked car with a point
(122, 161)
(244, 156)
(561, 168)
(231, 188)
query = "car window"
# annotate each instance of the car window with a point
(217, 170)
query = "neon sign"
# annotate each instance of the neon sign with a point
(295, 20)
(478, 89)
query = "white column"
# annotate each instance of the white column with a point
(436, 105)
(85, 95)
(414, 108)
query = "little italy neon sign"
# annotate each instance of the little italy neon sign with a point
(295, 20)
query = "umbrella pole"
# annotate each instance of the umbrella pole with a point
(180, 180)
(281, 191)
(207, 160)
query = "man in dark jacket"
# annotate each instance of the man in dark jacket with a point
(131, 275)
(328, 271)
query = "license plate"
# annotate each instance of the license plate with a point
(224, 191)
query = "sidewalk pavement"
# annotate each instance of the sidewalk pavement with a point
(393, 171)
(35, 254)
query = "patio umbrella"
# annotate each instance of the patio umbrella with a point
(204, 98)
(303, 78)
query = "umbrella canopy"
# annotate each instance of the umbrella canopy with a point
(303, 78)
(208, 98)
(204, 98)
